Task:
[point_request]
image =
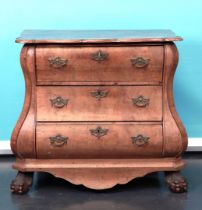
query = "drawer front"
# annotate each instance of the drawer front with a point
(106, 103)
(101, 140)
(99, 64)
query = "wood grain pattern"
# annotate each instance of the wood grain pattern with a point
(82, 68)
(82, 116)
(99, 173)
(117, 142)
(175, 137)
(116, 106)
(23, 136)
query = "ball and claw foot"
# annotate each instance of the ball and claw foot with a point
(176, 182)
(22, 182)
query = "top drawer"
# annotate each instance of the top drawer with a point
(66, 64)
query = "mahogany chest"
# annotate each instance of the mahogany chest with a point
(99, 108)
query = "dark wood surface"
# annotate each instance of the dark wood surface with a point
(98, 36)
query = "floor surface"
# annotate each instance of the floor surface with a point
(147, 193)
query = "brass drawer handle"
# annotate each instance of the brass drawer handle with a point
(140, 140)
(99, 132)
(141, 101)
(59, 102)
(99, 56)
(58, 140)
(99, 94)
(57, 62)
(139, 62)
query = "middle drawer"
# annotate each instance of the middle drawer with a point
(106, 103)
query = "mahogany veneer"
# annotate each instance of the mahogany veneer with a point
(99, 108)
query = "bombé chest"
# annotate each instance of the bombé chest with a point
(99, 98)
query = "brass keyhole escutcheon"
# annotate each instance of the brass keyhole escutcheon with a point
(99, 93)
(99, 56)
(99, 132)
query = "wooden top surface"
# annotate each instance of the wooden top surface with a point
(96, 36)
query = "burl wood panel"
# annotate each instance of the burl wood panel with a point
(81, 67)
(116, 143)
(117, 105)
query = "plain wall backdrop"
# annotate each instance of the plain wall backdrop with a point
(183, 17)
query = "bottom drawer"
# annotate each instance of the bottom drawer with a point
(98, 140)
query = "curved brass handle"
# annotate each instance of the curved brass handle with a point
(99, 56)
(58, 140)
(140, 140)
(99, 93)
(141, 101)
(99, 132)
(139, 62)
(57, 62)
(59, 102)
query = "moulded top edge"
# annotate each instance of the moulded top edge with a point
(96, 36)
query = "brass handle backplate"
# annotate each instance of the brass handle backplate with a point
(99, 132)
(99, 94)
(140, 140)
(99, 56)
(141, 101)
(57, 62)
(139, 62)
(59, 102)
(58, 140)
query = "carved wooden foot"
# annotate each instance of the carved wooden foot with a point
(176, 182)
(22, 182)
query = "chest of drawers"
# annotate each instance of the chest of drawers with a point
(99, 108)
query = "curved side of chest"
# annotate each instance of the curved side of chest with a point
(23, 136)
(174, 133)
